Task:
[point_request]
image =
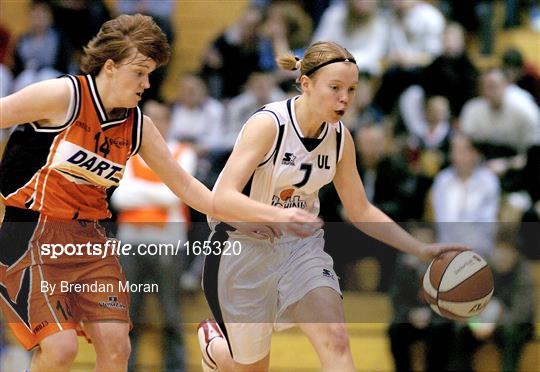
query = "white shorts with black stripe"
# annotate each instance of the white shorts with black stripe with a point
(250, 294)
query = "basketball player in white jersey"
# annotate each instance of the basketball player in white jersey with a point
(285, 153)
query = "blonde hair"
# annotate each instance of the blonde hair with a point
(316, 55)
(118, 37)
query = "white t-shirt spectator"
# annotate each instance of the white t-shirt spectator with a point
(366, 43)
(466, 211)
(515, 124)
(203, 124)
(420, 31)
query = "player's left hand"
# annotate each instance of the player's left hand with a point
(428, 252)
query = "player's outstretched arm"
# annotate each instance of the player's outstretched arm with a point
(371, 219)
(45, 102)
(156, 154)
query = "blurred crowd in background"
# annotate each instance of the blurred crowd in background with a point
(447, 143)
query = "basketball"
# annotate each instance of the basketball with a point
(458, 284)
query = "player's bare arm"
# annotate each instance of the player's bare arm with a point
(370, 219)
(45, 102)
(156, 154)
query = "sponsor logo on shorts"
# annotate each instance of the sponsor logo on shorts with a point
(327, 273)
(113, 303)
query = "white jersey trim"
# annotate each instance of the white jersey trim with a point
(340, 136)
(273, 149)
(71, 113)
(137, 132)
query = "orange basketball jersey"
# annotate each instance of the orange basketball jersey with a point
(65, 171)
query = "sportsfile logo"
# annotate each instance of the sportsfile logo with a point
(85, 167)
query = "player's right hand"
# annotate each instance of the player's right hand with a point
(297, 222)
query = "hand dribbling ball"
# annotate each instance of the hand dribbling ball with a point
(458, 284)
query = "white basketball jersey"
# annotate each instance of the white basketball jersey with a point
(296, 168)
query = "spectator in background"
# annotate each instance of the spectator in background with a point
(477, 18)
(465, 199)
(286, 28)
(6, 77)
(508, 319)
(360, 27)
(5, 47)
(150, 213)
(504, 120)
(413, 320)
(426, 120)
(530, 234)
(233, 56)
(452, 74)
(415, 39)
(196, 117)
(6, 81)
(384, 179)
(161, 11)
(12, 357)
(514, 10)
(519, 72)
(428, 131)
(314, 8)
(70, 15)
(260, 89)
(42, 52)
(416, 29)
(362, 110)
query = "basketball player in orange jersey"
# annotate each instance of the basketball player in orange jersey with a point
(285, 153)
(72, 139)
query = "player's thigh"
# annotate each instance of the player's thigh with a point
(320, 305)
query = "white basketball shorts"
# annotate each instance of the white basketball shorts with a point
(250, 293)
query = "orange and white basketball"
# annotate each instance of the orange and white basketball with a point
(458, 284)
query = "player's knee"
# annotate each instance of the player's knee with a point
(338, 338)
(60, 353)
(117, 350)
